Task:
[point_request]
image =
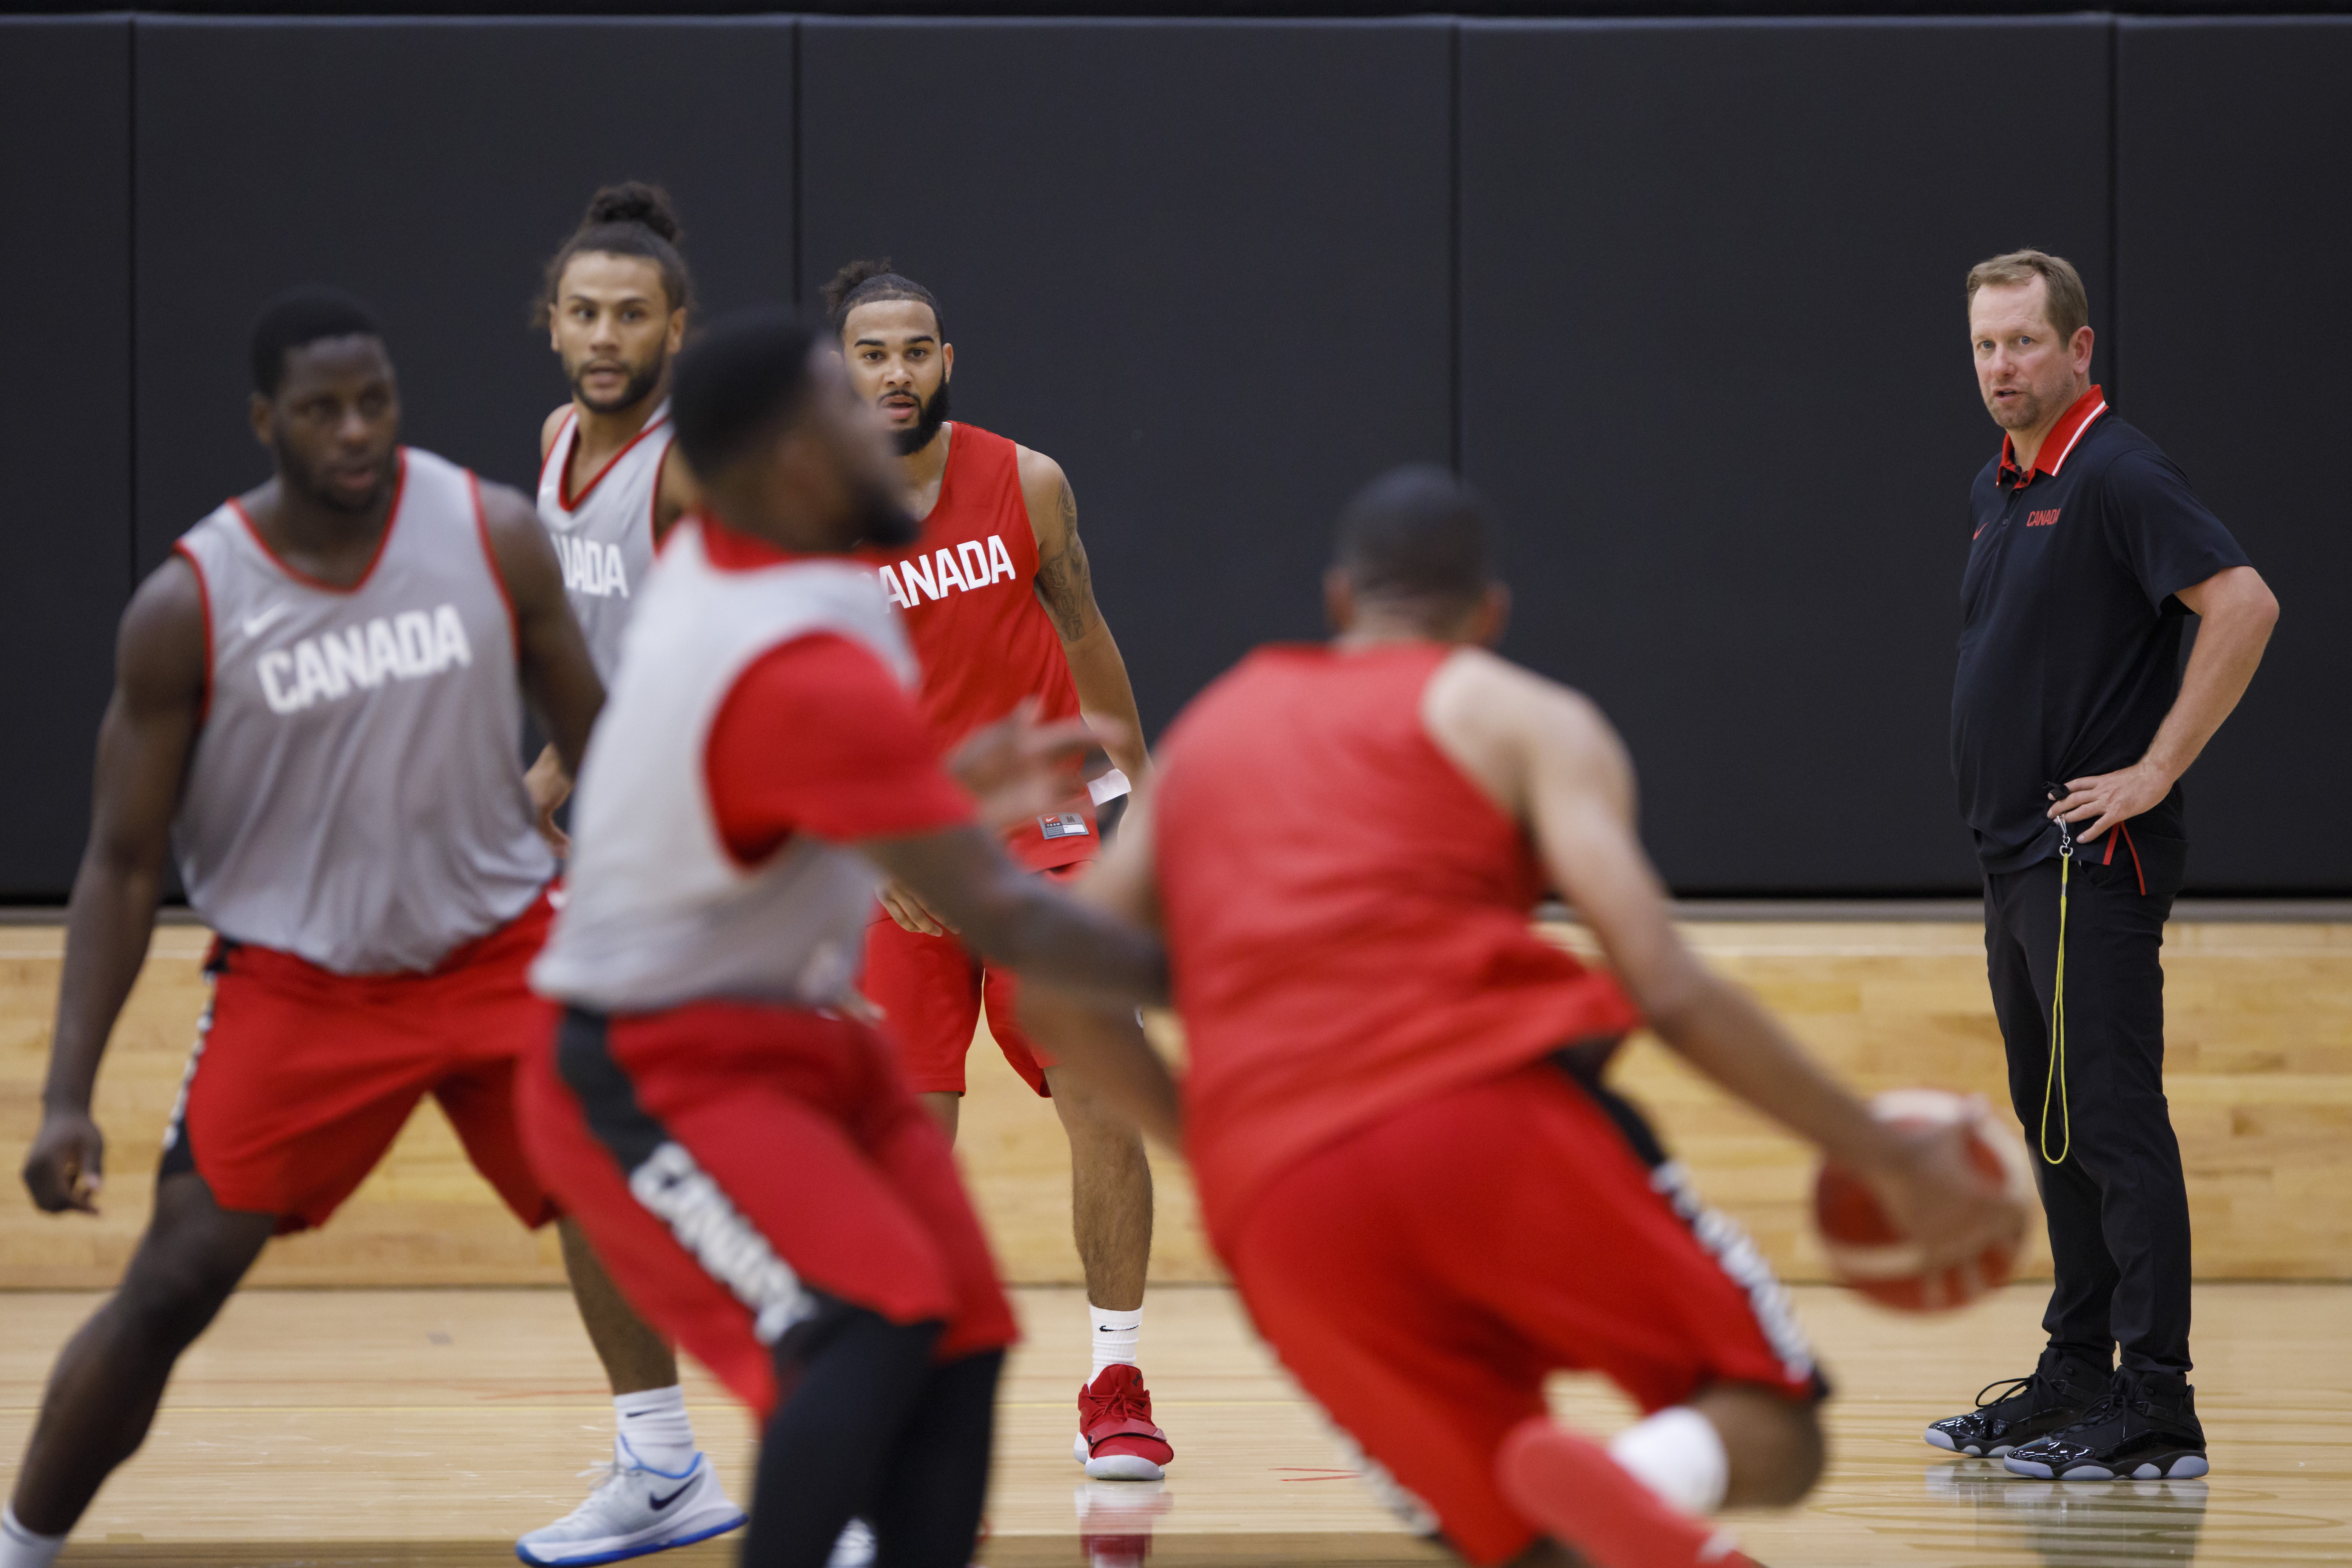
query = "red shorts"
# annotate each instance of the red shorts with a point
(931, 991)
(303, 1078)
(1420, 1276)
(735, 1165)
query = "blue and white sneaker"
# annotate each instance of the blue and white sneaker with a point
(636, 1510)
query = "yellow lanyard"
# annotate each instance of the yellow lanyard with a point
(2057, 1079)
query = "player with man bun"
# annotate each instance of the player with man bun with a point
(615, 304)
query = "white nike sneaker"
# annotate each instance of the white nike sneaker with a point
(634, 1510)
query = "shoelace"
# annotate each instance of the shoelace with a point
(2010, 1390)
(1132, 1402)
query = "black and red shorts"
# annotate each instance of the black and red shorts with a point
(1422, 1276)
(738, 1167)
(303, 1078)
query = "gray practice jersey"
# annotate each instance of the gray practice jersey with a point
(657, 912)
(356, 794)
(604, 534)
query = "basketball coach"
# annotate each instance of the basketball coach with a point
(2072, 720)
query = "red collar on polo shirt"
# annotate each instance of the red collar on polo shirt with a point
(2057, 445)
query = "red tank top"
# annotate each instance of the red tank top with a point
(1345, 915)
(969, 591)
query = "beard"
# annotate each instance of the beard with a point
(643, 379)
(917, 436)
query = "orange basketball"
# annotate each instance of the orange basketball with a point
(1866, 1250)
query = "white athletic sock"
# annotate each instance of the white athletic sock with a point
(1677, 1454)
(1114, 1338)
(20, 1548)
(655, 1430)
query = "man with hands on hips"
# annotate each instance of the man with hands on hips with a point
(2073, 722)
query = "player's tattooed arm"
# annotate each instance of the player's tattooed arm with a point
(143, 744)
(1066, 587)
(557, 674)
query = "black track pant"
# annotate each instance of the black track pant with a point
(2117, 1208)
(867, 1424)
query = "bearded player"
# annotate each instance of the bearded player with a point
(1406, 1156)
(999, 602)
(742, 1150)
(317, 704)
(615, 305)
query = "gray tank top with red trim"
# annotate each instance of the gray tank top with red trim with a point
(604, 535)
(356, 794)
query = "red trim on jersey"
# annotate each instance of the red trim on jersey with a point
(482, 527)
(564, 496)
(2078, 418)
(390, 518)
(570, 418)
(816, 735)
(205, 598)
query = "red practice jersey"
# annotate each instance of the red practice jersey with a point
(1347, 915)
(968, 590)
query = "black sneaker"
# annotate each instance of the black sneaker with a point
(2145, 1429)
(2057, 1394)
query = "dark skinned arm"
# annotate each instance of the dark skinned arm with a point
(1066, 587)
(557, 679)
(1098, 1040)
(1020, 922)
(143, 745)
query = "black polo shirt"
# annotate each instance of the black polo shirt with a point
(2070, 635)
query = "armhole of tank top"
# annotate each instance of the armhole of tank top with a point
(571, 420)
(653, 502)
(204, 603)
(490, 559)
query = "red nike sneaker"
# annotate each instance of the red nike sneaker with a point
(1116, 1441)
(1573, 1491)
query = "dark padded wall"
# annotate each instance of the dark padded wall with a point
(1715, 375)
(1705, 347)
(1204, 265)
(2232, 239)
(64, 426)
(432, 167)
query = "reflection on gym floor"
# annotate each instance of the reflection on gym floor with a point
(2086, 1524)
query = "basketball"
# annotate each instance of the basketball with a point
(1866, 1250)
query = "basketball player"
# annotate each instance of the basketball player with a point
(742, 1151)
(317, 704)
(1406, 1154)
(1000, 604)
(615, 304)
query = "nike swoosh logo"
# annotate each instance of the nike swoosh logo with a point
(257, 624)
(659, 1503)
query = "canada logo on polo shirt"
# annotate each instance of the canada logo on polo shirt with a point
(2043, 519)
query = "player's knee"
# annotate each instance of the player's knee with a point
(168, 1298)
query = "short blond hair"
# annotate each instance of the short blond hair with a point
(2066, 302)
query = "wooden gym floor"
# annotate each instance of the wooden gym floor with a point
(432, 1426)
(372, 1422)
